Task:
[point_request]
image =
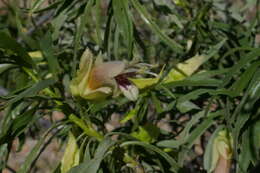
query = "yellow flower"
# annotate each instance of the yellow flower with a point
(97, 80)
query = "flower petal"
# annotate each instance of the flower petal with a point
(97, 94)
(130, 91)
(71, 154)
(103, 73)
(79, 83)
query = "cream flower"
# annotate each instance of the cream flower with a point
(222, 151)
(97, 79)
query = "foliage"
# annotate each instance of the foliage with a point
(204, 54)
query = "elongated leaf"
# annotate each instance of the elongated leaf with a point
(3, 153)
(48, 52)
(34, 152)
(168, 158)
(199, 130)
(79, 32)
(155, 28)
(189, 66)
(93, 165)
(9, 44)
(4, 67)
(33, 90)
(240, 84)
(36, 5)
(87, 128)
(123, 19)
(173, 143)
(246, 59)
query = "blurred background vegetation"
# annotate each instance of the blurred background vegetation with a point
(171, 127)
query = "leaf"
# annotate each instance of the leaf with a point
(5, 67)
(167, 157)
(48, 52)
(22, 121)
(244, 61)
(245, 78)
(157, 103)
(36, 5)
(33, 90)
(189, 66)
(155, 28)
(200, 129)
(3, 154)
(187, 136)
(124, 21)
(148, 133)
(57, 23)
(255, 139)
(93, 165)
(36, 55)
(246, 157)
(79, 32)
(87, 128)
(173, 143)
(142, 83)
(130, 115)
(71, 154)
(34, 153)
(186, 106)
(193, 95)
(9, 44)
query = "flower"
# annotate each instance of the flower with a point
(71, 155)
(97, 80)
(222, 151)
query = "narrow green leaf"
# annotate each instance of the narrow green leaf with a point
(3, 154)
(36, 5)
(245, 60)
(245, 78)
(57, 23)
(4, 67)
(168, 158)
(199, 130)
(48, 52)
(79, 32)
(87, 128)
(124, 21)
(156, 29)
(186, 106)
(93, 165)
(32, 91)
(9, 44)
(34, 153)
(246, 157)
